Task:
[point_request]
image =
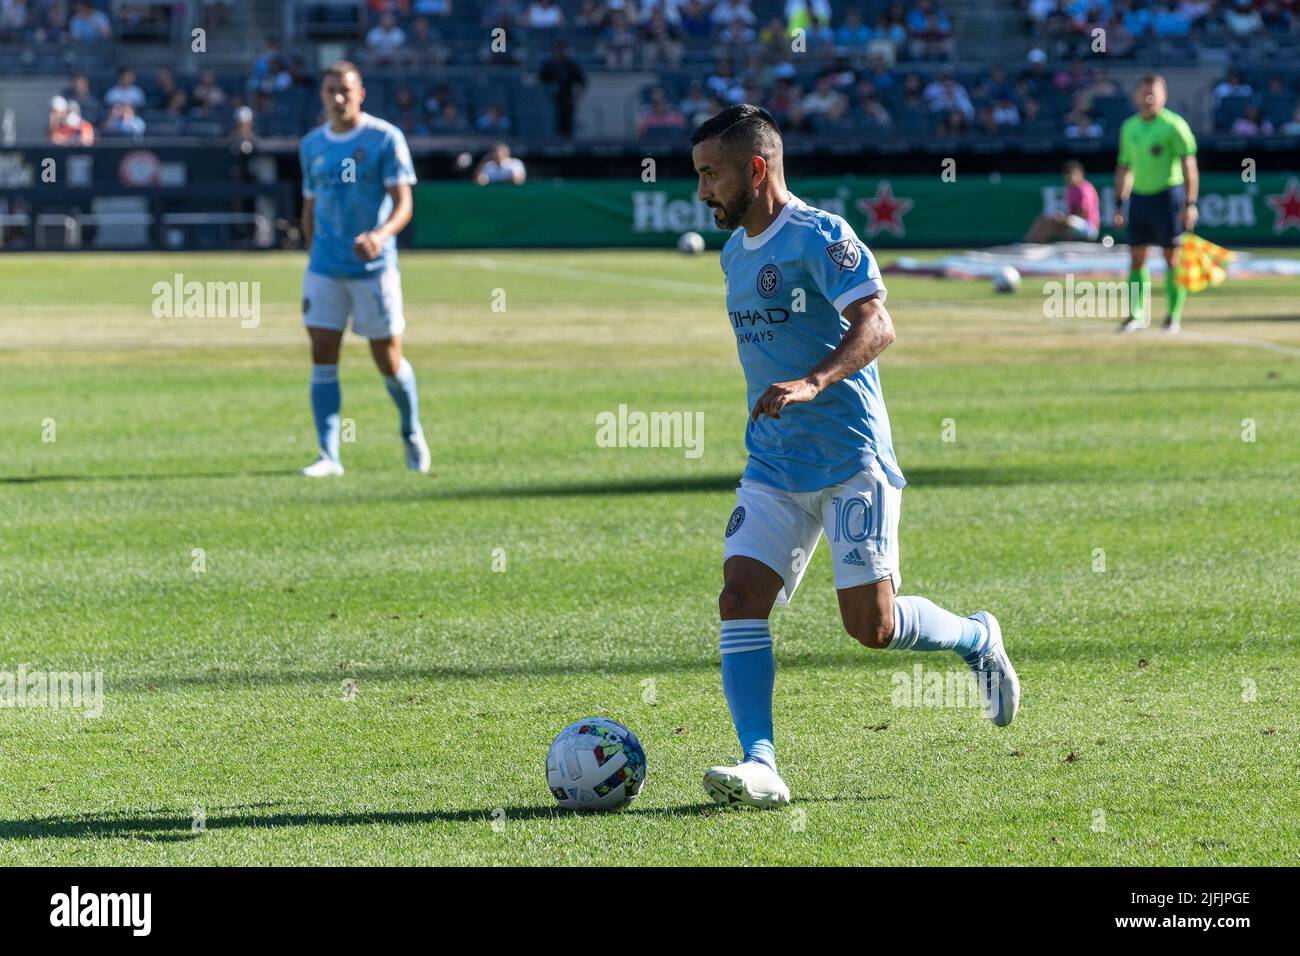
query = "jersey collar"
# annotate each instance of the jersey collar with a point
(757, 242)
(362, 122)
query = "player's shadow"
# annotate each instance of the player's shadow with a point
(178, 476)
(166, 825)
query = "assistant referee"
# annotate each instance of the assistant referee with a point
(1156, 172)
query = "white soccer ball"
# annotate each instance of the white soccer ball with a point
(1006, 279)
(595, 764)
(690, 243)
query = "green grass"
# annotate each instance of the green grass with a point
(223, 688)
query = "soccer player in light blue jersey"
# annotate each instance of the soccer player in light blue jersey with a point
(807, 304)
(356, 186)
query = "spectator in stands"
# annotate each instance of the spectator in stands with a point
(123, 121)
(1252, 123)
(125, 91)
(822, 99)
(450, 121)
(1033, 123)
(1170, 21)
(1080, 220)
(14, 17)
(1035, 77)
(618, 41)
(914, 94)
(889, 35)
(58, 115)
(1080, 124)
(1136, 17)
(734, 21)
(544, 15)
(1119, 42)
(785, 96)
(695, 19)
(661, 42)
(695, 101)
(50, 25)
(493, 120)
(1234, 84)
(88, 25)
(498, 166)
(952, 125)
(385, 41)
(835, 121)
(1242, 19)
(424, 47)
(502, 13)
(208, 94)
(853, 34)
(872, 115)
(929, 32)
(432, 8)
(658, 115)
(564, 81)
(216, 13)
(946, 95)
(407, 114)
(79, 92)
(1004, 113)
(880, 73)
(167, 87)
(242, 131)
(1292, 126)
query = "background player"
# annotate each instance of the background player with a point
(357, 177)
(1081, 218)
(1157, 163)
(807, 305)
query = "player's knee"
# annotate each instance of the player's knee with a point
(736, 603)
(871, 630)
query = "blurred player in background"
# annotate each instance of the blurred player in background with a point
(357, 177)
(807, 305)
(1081, 220)
(1156, 172)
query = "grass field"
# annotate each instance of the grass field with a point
(1099, 497)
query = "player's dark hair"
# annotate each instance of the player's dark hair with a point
(342, 68)
(743, 128)
(1152, 78)
(1072, 166)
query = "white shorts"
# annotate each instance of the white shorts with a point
(782, 528)
(374, 302)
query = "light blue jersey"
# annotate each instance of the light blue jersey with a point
(349, 175)
(808, 259)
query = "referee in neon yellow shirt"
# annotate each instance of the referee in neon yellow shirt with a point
(1156, 173)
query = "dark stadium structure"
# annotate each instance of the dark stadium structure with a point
(217, 93)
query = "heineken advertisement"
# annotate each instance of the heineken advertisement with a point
(893, 211)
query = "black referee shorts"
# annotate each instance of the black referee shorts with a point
(1156, 220)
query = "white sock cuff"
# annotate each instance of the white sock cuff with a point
(751, 634)
(324, 374)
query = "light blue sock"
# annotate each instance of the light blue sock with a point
(326, 399)
(921, 625)
(402, 388)
(748, 675)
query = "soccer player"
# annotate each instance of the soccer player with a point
(807, 305)
(356, 187)
(1081, 220)
(1156, 172)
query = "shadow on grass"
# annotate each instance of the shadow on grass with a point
(917, 478)
(170, 825)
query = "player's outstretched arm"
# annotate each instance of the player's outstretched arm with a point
(870, 332)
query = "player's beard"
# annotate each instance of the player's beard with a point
(734, 212)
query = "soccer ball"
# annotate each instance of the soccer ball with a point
(595, 764)
(1006, 279)
(690, 244)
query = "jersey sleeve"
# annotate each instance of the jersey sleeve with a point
(398, 169)
(307, 191)
(840, 265)
(1184, 141)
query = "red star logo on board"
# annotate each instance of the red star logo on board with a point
(884, 211)
(1286, 208)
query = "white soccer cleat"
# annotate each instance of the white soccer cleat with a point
(1133, 325)
(749, 784)
(999, 687)
(322, 467)
(417, 453)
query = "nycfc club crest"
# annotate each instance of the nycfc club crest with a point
(737, 519)
(844, 254)
(769, 282)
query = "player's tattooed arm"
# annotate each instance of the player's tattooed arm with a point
(370, 245)
(870, 332)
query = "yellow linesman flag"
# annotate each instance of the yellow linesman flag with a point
(1201, 263)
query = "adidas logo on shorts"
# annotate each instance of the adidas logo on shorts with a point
(854, 557)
